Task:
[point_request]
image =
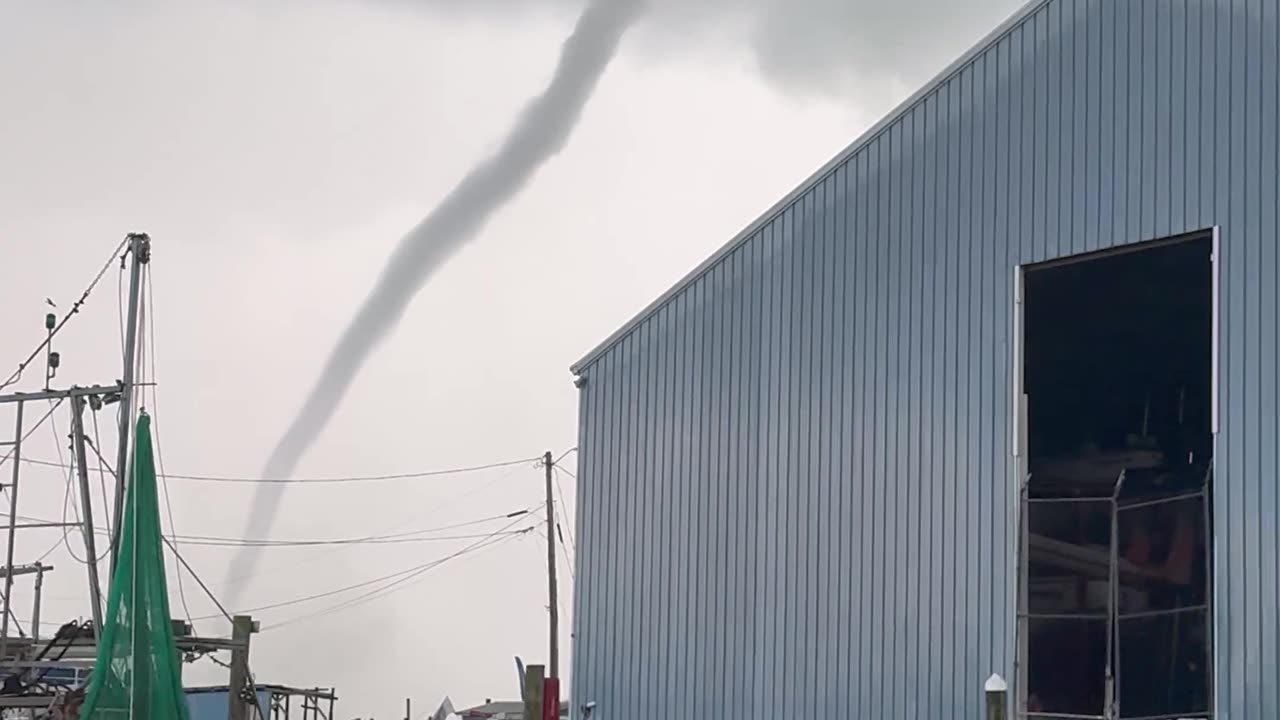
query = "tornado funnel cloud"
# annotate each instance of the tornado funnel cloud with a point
(541, 131)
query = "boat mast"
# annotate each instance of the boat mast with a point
(139, 255)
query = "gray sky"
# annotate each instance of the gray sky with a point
(276, 152)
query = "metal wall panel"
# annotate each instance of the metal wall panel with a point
(797, 492)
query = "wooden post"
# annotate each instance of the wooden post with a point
(997, 698)
(534, 685)
(242, 627)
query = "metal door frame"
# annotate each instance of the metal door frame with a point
(1018, 439)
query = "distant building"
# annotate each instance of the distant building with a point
(503, 710)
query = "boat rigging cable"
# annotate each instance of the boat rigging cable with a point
(22, 366)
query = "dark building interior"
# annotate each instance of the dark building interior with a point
(1118, 364)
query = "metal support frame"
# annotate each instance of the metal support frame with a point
(77, 396)
(1111, 694)
(313, 703)
(16, 459)
(86, 503)
(140, 251)
(104, 390)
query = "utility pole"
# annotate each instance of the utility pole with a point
(553, 668)
(140, 255)
(242, 627)
(86, 502)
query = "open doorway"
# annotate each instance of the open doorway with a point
(1116, 536)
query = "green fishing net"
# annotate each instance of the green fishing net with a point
(137, 674)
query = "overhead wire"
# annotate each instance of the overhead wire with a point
(484, 540)
(564, 455)
(75, 308)
(222, 542)
(27, 436)
(360, 540)
(393, 538)
(396, 585)
(199, 581)
(562, 512)
(407, 573)
(568, 561)
(449, 504)
(463, 470)
(403, 579)
(542, 533)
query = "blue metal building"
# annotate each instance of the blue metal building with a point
(800, 472)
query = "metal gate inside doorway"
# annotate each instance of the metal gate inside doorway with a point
(1105, 613)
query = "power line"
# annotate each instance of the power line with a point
(563, 509)
(392, 538)
(219, 542)
(413, 535)
(252, 681)
(471, 492)
(397, 585)
(396, 577)
(329, 480)
(400, 581)
(22, 366)
(199, 581)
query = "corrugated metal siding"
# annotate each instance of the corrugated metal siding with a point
(797, 496)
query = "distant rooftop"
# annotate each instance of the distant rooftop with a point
(502, 710)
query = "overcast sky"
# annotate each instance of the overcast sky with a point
(276, 152)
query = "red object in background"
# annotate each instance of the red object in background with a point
(551, 699)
